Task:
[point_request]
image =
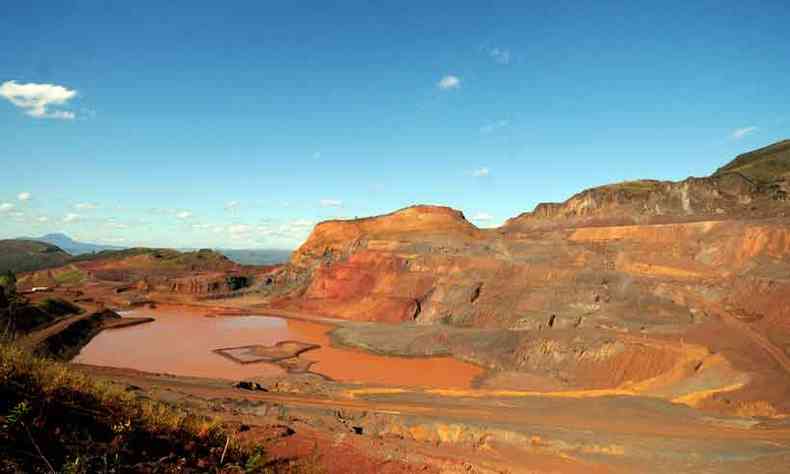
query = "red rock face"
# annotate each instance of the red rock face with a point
(616, 249)
(648, 266)
(200, 285)
(379, 282)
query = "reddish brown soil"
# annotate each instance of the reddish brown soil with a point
(636, 327)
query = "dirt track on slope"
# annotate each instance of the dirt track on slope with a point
(622, 429)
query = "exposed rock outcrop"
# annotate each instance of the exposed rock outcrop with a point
(754, 185)
(558, 267)
(612, 282)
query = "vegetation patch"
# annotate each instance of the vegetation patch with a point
(639, 186)
(72, 276)
(67, 343)
(55, 419)
(59, 307)
(18, 255)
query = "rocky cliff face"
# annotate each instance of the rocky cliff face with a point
(371, 269)
(754, 185)
(705, 260)
(209, 284)
(563, 263)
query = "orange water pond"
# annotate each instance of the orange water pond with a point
(181, 342)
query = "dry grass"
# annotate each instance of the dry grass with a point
(52, 415)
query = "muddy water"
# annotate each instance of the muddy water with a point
(181, 342)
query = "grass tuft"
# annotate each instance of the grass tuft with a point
(54, 418)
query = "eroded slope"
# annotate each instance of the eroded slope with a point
(688, 282)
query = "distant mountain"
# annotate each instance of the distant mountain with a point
(243, 256)
(74, 247)
(257, 256)
(18, 255)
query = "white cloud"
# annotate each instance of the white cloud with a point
(294, 231)
(239, 229)
(6, 206)
(480, 172)
(23, 196)
(742, 132)
(85, 205)
(297, 226)
(231, 205)
(117, 225)
(494, 126)
(42, 219)
(331, 203)
(35, 99)
(449, 82)
(501, 56)
(71, 217)
(184, 215)
(482, 217)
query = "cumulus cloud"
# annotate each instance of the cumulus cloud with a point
(6, 206)
(239, 229)
(501, 56)
(482, 217)
(36, 99)
(449, 82)
(331, 203)
(294, 230)
(117, 225)
(743, 132)
(71, 217)
(267, 233)
(85, 205)
(494, 126)
(481, 172)
(24, 196)
(184, 215)
(231, 205)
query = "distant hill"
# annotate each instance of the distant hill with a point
(243, 256)
(74, 247)
(753, 185)
(762, 166)
(257, 257)
(18, 255)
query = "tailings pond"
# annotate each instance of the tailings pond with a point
(181, 341)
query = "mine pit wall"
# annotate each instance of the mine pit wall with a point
(743, 266)
(210, 284)
(631, 277)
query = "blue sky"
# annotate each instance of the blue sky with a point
(242, 124)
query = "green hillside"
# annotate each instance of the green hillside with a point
(764, 165)
(18, 255)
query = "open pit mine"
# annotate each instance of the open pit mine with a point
(642, 326)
